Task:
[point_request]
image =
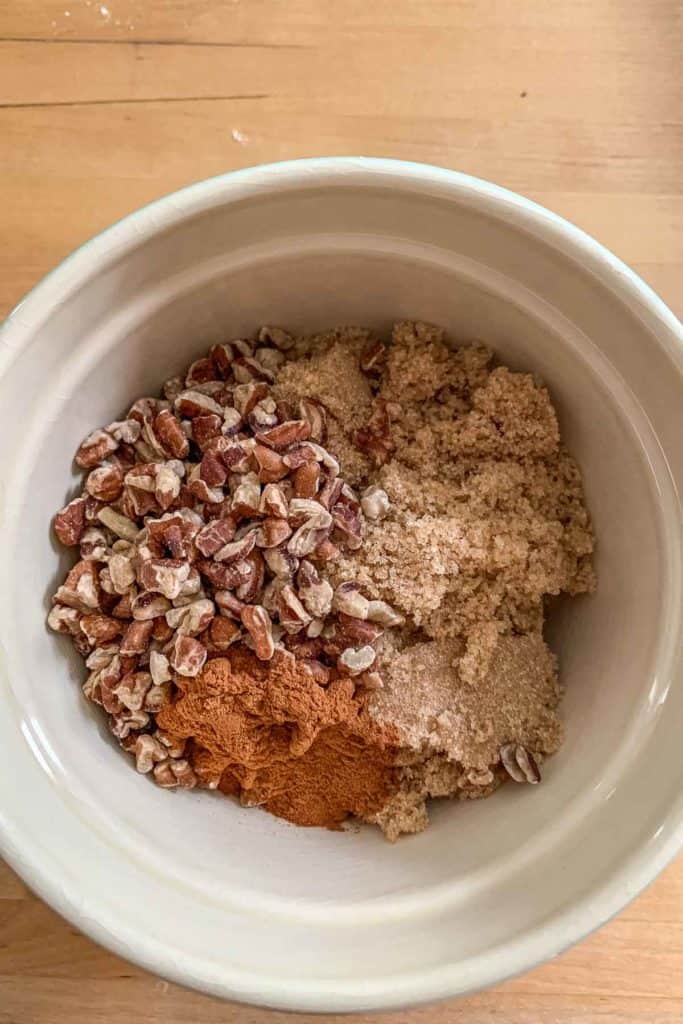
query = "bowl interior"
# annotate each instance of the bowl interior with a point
(484, 873)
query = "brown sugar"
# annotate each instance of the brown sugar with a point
(270, 733)
(328, 369)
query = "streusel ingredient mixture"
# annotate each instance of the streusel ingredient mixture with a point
(314, 574)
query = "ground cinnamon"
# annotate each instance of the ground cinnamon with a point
(271, 734)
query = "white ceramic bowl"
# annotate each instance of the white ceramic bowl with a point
(235, 902)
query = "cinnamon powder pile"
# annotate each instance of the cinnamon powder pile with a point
(271, 734)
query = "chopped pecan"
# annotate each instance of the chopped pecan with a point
(95, 449)
(100, 628)
(148, 752)
(281, 562)
(122, 526)
(222, 357)
(277, 337)
(314, 413)
(94, 544)
(128, 722)
(271, 465)
(375, 502)
(285, 434)
(64, 619)
(215, 535)
(171, 435)
(81, 589)
(212, 470)
(236, 550)
(256, 621)
(164, 576)
(307, 480)
(121, 573)
(199, 372)
(159, 667)
(291, 612)
(348, 599)
(272, 532)
(193, 403)
(355, 660)
(223, 632)
(273, 502)
(69, 523)
(315, 592)
(132, 689)
(137, 637)
(247, 496)
(187, 655)
(245, 396)
(149, 606)
(192, 618)
(250, 588)
(228, 603)
(383, 613)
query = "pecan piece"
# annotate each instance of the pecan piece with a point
(223, 633)
(285, 434)
(291, 612)
(215, 535)
(272, 532)
(96, 447)
(132, 689)
(187, 655)
(273, 502)
(348, 599)
(236, 550)
(375, 502)
(271, 465)
(64, 619)
(137, 637)
(277, 337)
(192, 618)
(257, 622)
(245, 396)
(314, 413)
(315, 592)
(69, 523)
(164, 576)
(118, 524)
(171, 435)
(148, 752)
(200, 372)
(307, 480)
(205, 429)
(149, 606)
(355, 660)
(191, 403)
(100, 628)
(159, 667)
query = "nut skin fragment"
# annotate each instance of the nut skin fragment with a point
(519, 763)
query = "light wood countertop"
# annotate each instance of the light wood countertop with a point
(106, 104)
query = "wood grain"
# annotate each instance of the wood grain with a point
(106, 104)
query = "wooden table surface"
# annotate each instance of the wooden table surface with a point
(106, 104)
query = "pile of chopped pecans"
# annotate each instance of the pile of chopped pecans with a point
(207, 519)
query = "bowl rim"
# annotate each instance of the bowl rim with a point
(572, 923)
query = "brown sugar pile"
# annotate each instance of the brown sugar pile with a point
(270, 734)
(486, 518)
(314, 574)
